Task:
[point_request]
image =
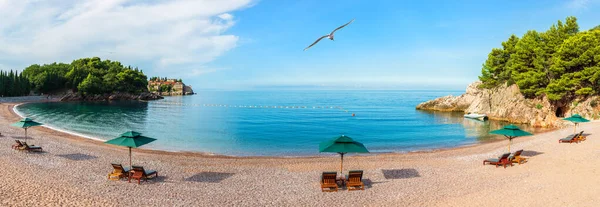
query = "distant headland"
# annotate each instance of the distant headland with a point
(536, 79)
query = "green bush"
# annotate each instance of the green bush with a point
(539, 106)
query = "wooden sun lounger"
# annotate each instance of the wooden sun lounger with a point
(516, 157)
(138, 173)
(502, 160)
(573, 139)
(17, 145)
(581, 137)
(30, 148)
(328, 182)
(354, 181)
(118, 172)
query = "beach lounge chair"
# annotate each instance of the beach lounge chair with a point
(502, 160)
(328, 182)
(354, 181)
(30, 148)
(581, 137)
(516, 157)
(574, 138)
(17, 145)
(138, 173)
(118, 172)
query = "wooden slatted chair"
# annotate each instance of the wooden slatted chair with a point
(138, 173)
(502, 160)
(354, 181)
(516, 157)
(17, 145)
(573, 139)
(581, 137)
(30, 148)
(118, 172)
(328, 182)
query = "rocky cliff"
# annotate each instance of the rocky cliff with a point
(508, 104)
(110, 97)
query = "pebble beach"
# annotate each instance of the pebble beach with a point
(72, 171)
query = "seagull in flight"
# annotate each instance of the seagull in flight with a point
(330, 35)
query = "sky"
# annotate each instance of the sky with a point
(258, 44)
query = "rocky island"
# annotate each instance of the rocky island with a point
(536, 79)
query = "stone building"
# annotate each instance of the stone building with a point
(170, 87)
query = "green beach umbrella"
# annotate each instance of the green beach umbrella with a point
(131, 139)
(342, 145)
(510, 132)
(576, 119)
(25, 123)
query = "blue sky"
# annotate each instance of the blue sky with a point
(244, 44)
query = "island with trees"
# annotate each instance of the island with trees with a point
(90, 79)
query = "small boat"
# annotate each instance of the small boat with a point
(481, 117)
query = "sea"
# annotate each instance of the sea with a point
(272, 122)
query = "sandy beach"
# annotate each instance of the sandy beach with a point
(72, 171)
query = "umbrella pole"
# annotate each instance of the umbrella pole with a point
(342, 164)
(130, 165)
(25, 133)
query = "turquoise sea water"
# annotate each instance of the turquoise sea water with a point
(259, 123)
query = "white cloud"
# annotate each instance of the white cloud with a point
(578, 4)
(161, 34)
(226, 16)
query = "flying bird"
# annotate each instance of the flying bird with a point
(330, 35)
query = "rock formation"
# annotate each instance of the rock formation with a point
(508, 104)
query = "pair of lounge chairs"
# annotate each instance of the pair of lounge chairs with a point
(329, 181)
(573, 139)
(507, 159)
(25, 147)
(136, 173)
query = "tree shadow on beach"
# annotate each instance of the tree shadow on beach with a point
(530, 153)
(209, 177)
(400, 173)
(77, 156)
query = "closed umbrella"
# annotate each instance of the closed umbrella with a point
(131, 139)
(576, 119)
(342, 145)
(25, 123)
(510, 132)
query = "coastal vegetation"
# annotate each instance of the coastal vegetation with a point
(87, 76)
(561, 63)
(13, 84)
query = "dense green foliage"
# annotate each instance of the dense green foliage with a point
(13, 84)
(87, 76)
(561, 63)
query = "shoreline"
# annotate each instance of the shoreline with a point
(80, 137)
(73, 171)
